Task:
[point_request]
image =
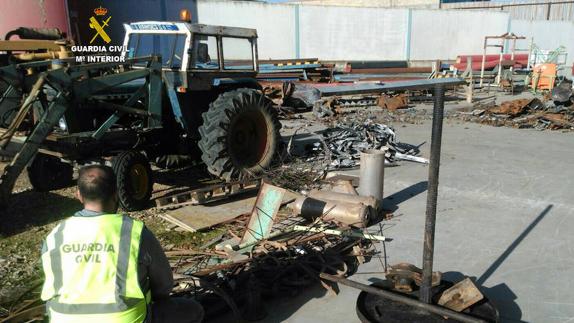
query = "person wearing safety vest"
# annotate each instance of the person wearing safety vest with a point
(101, 266)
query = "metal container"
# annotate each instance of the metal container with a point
(356, 214)
(344, 197)
(344, 186)
(372, 173)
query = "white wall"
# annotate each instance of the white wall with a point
(344, 33)
(354, 33)
(445, 34)
(547, 34)
(275, 24)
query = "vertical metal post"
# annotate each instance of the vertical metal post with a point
(297, 31)
(436, 138)
(483, 60)
(530, 48)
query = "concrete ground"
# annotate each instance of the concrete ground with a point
(505, 216)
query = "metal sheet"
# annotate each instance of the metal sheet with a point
(264, 211)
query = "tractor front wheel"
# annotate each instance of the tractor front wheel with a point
(134, 180)
(239, 135)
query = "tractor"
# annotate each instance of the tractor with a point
(180, 91)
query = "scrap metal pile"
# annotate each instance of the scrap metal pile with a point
(342, 145)
(278, 267)
(556, 113)
(524, 113)
(281, 266)
(268, 254)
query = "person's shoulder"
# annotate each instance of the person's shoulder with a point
(127, 217)
(58, 226)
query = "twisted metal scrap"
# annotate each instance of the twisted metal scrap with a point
(346, 141)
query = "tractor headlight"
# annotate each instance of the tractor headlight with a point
(62, 124)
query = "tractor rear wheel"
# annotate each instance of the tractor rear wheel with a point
(239, 135)
(134, 180)
(47, 173)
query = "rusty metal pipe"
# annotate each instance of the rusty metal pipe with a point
(372, 173)
(432, 194)
(344, 197)
(356, 214)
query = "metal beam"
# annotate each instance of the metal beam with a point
(390, 86)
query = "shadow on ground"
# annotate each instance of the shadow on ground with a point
(501, 295)
(31, 209)
(190, 177)
(281, 308)
(392, 202)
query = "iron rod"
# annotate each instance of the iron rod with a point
(402, 299)
(436, 137)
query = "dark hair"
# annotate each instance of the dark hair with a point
(97, 183)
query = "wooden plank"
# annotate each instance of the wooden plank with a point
(200, 217)
(460, 296)
(264, 211)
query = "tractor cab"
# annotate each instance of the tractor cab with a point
(190, 47)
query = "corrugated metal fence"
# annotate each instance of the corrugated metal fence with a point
(523, 10)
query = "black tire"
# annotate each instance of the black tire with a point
(239, 135)
(134, 180)
(47, 173)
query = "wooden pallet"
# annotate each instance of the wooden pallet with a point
(207, 194)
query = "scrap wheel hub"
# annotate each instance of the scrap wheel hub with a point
(134, 180)
(139, 181)
(248, 137)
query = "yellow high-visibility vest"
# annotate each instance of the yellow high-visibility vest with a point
(90, 264)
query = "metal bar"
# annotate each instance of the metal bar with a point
(154, 83)
(99, 133)
(391, 86)
(436, 138)
(346, 233)
(269, 67)
(254, 242)
(124, 108)
(174, 102)
(88, 87)
(22, 112)
(6, 93)
(402, 299)
(49, 120)
(483, 61)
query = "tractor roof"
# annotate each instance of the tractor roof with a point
(174, 27)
